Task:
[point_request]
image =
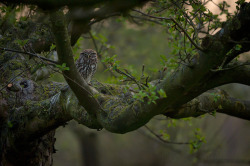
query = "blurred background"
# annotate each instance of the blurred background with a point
(227, 138)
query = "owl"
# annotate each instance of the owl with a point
(87, 64)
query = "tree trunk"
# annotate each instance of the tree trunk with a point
(89, 145)
(38, 152)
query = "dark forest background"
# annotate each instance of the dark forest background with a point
(227, 138)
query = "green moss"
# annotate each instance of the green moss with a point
(15, 64)
(108, 89)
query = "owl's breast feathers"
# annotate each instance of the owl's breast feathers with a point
(87, 64)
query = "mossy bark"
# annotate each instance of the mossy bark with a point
(31, 110)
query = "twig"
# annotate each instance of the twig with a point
(28, 53)
(146, 19)
(130, 77)
(99, 53)
(172, 19)
(142, 71)
(230, 68)
(165, 141)
(189, 20)
(240, 42)
(94, 42)
(146, 83)
(160, 142)
(104, 17)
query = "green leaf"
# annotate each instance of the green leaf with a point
(163, 57)
(238, 47)
(196, 144)
(21, 43)
(9, 123)
(62, 67)
(52, 47)
(213, 113)
(220, 107)
(162, 93)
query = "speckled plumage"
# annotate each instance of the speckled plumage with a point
(87, 64)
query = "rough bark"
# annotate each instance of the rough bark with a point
(119, 114)
(34, 152)
(30, 111)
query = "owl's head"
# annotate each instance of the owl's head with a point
(89, 54)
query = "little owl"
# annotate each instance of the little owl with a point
(87, 64)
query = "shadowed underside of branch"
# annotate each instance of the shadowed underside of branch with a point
(30, 110)
(119, 112)
(119, 115)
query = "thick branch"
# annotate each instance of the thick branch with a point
(31, 54)
(83, 18)
(40, 117)
(187, 83)
(184, 84)
(115, 120)
(122, 113)
(211, 102)
(65, 55)
(236, 73)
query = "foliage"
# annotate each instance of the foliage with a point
(149, 94)
(21, 43)
(183, 25)
(197, 142)
(62, 67)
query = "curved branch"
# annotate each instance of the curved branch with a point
(31, 54)
(187, 83)
(211, 102)
(64, 106)
(122, 113)
(238, 73)
(40, 117)
(65, 55)
(83, 18)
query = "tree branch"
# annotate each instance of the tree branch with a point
(122, 113)
(40, 117)
(67, 107)
(172, 19)
(187, 83)
(236, 73)
(211, 102)
(83, 18)
(65, 55)
(31, 54)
